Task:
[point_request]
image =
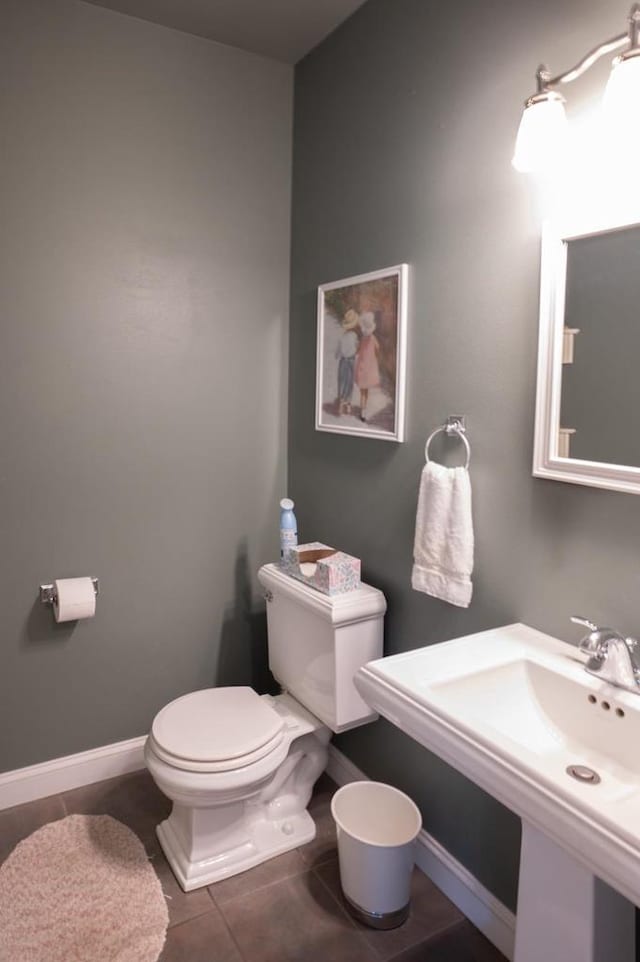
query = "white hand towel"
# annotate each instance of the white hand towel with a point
(443, 546)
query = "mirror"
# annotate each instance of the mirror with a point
(588, 391)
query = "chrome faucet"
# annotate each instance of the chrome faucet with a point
(611, 656)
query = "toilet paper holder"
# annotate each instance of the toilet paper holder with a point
(48, 592)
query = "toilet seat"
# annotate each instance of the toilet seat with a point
(216, 730)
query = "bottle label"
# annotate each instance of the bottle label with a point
(288, 540)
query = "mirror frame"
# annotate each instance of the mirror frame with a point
(553, 269)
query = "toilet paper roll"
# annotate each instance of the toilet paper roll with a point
(75, 598)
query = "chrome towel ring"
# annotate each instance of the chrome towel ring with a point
(454, 426)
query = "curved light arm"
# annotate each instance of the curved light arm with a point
(588, 60)
(632, 37)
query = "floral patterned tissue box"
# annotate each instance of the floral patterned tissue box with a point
(323, 568)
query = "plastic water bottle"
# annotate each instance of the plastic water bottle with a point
(288, 528)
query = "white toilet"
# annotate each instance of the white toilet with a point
(240, 767)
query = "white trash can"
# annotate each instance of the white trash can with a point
(377, 826)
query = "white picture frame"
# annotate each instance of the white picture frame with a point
(361, 355)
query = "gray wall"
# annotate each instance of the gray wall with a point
(404, 127)
(145, 206)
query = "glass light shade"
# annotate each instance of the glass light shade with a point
(622, 99)
(542, 135)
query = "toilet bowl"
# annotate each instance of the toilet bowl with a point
(240, 767)
(234, 808)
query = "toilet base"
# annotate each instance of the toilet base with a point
(266, 839)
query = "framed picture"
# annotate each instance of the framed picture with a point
(361, 355)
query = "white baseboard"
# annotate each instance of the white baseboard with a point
(477, 903)
(72, 771)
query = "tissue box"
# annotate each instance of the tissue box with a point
(323, 568)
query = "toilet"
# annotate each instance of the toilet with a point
(240, 767)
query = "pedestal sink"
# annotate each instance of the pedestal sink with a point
(514, 710)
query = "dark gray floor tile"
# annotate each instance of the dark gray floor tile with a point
(481, 950)
(463, 943)
(275, 870)
(323, 847)
(182, 905)
(295, 920)
(431, 913)
(18, 822)
(323, 791)
(133, 799)
(205, 939)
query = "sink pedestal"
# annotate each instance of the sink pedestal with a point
(565, 913)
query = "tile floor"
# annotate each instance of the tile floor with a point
(286, 910)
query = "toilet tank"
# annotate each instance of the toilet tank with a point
(317, 643)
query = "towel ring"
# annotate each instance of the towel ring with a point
(450, 429)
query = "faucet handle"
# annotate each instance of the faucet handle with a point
(594, 643)
(579, 620)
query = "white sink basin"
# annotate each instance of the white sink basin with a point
(528, 706)
(512, 709)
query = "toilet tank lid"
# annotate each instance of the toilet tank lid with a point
(216, 724)
(361, 604)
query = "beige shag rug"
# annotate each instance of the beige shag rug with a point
(81, 890)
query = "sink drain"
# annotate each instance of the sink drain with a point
(583, 774)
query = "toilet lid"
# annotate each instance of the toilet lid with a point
(216, 725)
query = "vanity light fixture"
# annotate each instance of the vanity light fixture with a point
(543, 129)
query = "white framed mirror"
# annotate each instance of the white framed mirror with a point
(588, 389)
